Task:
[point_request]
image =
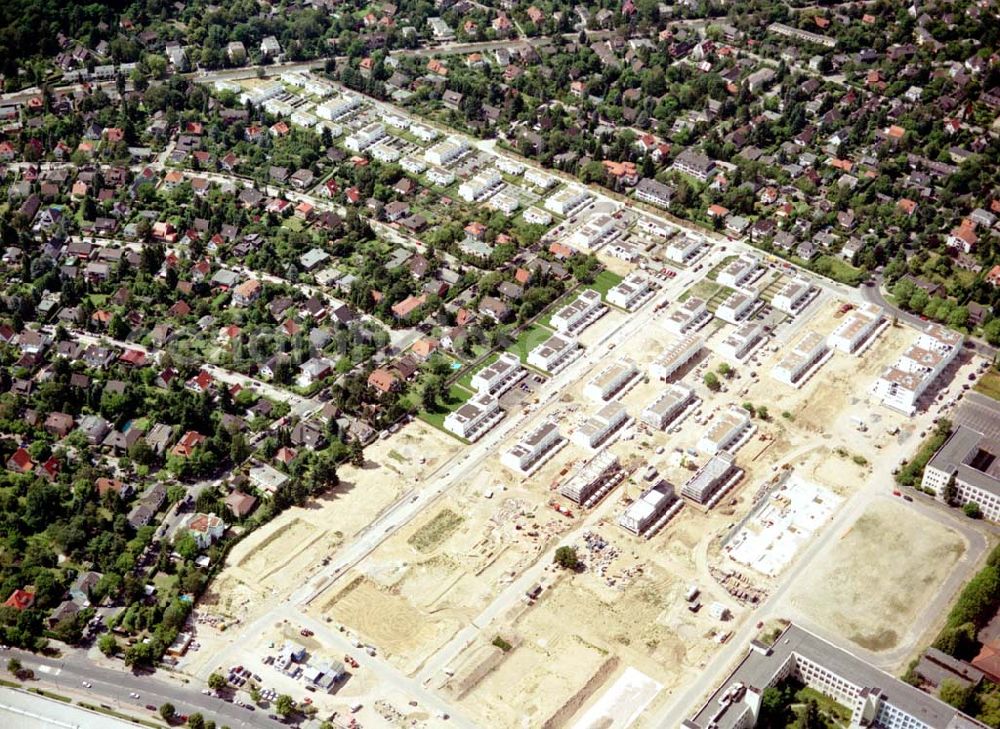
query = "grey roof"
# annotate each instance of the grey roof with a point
(760, 667)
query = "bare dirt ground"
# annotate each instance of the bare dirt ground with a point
(911, 555)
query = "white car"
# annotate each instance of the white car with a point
(87, 684)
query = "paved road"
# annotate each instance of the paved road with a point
(112, 686)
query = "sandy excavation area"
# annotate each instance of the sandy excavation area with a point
(911, 554)
(280, 557)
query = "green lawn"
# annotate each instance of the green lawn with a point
(465, 380)
(711, 275)
(457, 395)
(989, 384)
(702, 290)
(529, 339)
(605, 281)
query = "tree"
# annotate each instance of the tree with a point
(284, 705)
(712, 382)
(950, 491)
(972, 510)
(108, 645)
(14, 666)
(954, 693)
(762, 412)
(167, 711)
(196, 721)
(216, 682)
(566, 558)
(725, 370)
(810, 718)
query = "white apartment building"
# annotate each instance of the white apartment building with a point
(855, 328)
(504, 202)
(599, 427)
(593, 480)
(973, 461)
(631, 292)
(534, 448)
(338, 107)
(793, 296)
(664, 409)
(509, 166)
(480, 186)
(643, 516)
(677, 356)
(413, 165)
(739, 343)
(611, 381)
(365, 137)
(384, 152)
(446, 151)
(396, 121)
(720, 471)
(874, 698)
(689, 317)
(901, 385)
(598, 231)
(475, 417)
(440, 176)
(580, 313)
(685, 248)
(737, 307)
(809, 350)
(440, 29)
(554, 353)
(728, 429)
(567, 200)
(500, 376)
(536, 216)
(538, 179)
(741, 272)
(424, 133)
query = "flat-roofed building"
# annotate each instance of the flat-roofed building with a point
(646, 515)
(579, 313)
(480, 186)
(793, 296)
(632, 292)
(719, 471)
(597, 232)
(665, 408)
(742, 271)
(538, 178)
(689, 317)
(685, 248)
(499, 376)
(855, 328)
(599, 427)
(591, 482)
(675, 358)
(446, 151)
(567, 200)
(901, 385)
(337, 107)
(611, 381)
(654, 193)
(473, 419)
(740, 342)
(727, 430)
(365, 137)
(736, 307)
(534, 448)
(554, 353)
(873, 698)
(809, 350)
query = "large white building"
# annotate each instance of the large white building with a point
(480, 186)
(567, 200)
(473, 419)
(665, 408)
(676, 357)
(736, 307)
(593, 480)
(365, 137)
(599, 427)
(685, 248)
(534, 448)
(855, 328)
(631, 292)
(446, 151)
(901, 384)
(874, 699)
(809, 350)
(338, 107)
(719, 472)
(743, 271)
(793, 296)
(554, 353)
(649, 512)
(598, 231)
(690, 316)
(579, 313)
(539, 179)
(739, 343)
(729, 429)
(612, 381)
(499, 376)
